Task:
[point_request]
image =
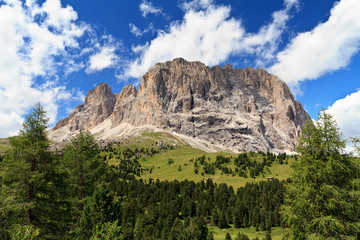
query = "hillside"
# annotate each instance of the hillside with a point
(161, 156)
(4, 144)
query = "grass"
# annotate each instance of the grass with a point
(219, 234)
(4, 144)
(180, 158)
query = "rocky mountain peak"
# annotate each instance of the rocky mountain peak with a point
(126, 92)
(232, 108)
(101, 93)
(98, 106)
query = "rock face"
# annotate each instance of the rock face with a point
(238, 109)
(99, 105)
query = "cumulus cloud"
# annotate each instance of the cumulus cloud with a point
(209, 35)
(346, 112)
(30, 40)
(39, 42)
(146, 7)
(104, 59)
(326, 48)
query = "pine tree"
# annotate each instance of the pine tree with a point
(320, 201)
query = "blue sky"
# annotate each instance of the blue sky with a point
(56, 51)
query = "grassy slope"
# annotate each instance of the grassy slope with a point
(181, 154)
(219, 234)
(4, 144)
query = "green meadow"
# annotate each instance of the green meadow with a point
(178, 162)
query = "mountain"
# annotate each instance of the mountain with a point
(212, 108)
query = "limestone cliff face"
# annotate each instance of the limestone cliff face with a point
(239, 109)
(98, 106)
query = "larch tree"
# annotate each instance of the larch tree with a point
(30, 181)
(320, 202)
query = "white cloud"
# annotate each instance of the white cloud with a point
(146, 8)
(196, 4)
(13, 123)
(104, 59)
(137, 32)
(346, 112)
(36, 42)
(209, 35)
(265, 43)
(326, 48)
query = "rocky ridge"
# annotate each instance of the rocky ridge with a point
(231, 108)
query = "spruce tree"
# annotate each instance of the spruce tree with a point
(227, 236)
(84, 169)
(321, 201)
(242, 236)
(99, 211)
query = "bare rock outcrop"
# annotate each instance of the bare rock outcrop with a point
(238, 109)
(98, 106)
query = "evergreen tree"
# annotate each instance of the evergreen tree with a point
(320, 201)
(109, 230)
(198, 226)
(237, 218)
(245, 221)
(228, 236)
(31, 184)
(83, 164)
(24, 233)
(84, 169)
(222, 220)
(100, 209)
(268, 235)
(242, 236)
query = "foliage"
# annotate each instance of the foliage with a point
(321, 201)
(99, 210)
(109, 230)
(322, 140)
(243, 164)
(84, 169)
(30, 181)
(24, 233)
(227, 236)
(242, 236)
(80, 157)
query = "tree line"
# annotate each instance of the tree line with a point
(74, 194)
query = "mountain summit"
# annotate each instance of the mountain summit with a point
(230, 108)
